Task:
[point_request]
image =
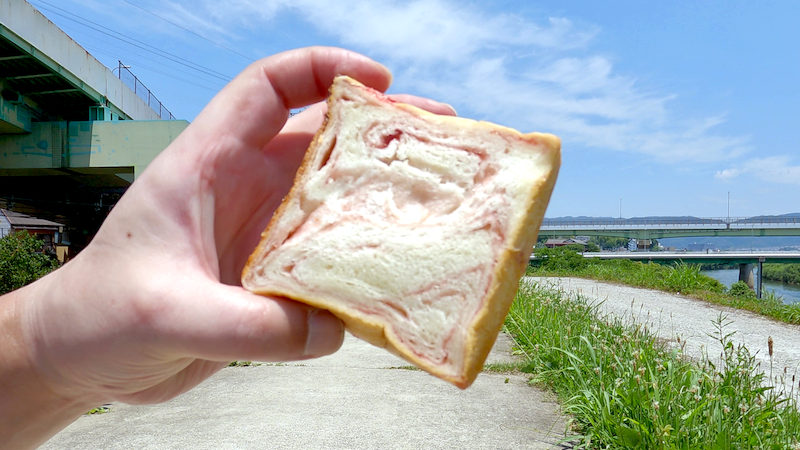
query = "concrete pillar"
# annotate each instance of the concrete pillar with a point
(746, 274)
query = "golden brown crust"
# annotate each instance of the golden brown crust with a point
(510, 267)
(511, 262)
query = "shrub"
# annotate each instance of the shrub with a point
(741, 289)
(22, 261)
(561, 258)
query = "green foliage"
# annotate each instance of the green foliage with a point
(608, 242)
(22, 261)
(99, 410)
(741, 289)
(625, 388)
(242, 364)
(685, 279)
(560, 258)
(680, 277)
(592, 247)
(785, 273)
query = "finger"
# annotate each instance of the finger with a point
(255, 105)
(425, 103)
(231, 323)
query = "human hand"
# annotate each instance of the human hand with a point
(153, 305)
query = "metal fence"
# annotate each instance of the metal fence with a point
(765, 222)
(143, 92)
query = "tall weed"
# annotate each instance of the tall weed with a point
(626, 389)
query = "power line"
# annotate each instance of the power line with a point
(96, 49)
(141, 61)
(99, 46)
(218, 44)
(134, 42)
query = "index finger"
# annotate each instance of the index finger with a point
(256, 104)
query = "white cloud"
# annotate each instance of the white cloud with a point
(773, 169)
(531, 74)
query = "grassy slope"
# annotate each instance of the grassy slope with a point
(625, 389)
(681, 278)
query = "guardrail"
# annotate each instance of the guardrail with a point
(143, 92)
(712, 223)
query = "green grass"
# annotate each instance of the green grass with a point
(626, 389)
(681, 278)
(243, 364)
(504, 367)
(99, 410)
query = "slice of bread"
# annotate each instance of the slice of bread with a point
(412, 228)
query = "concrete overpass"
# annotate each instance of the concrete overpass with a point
(666, 227)
(73, 136)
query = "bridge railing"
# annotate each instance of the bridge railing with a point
(143, 92)
(708, 223)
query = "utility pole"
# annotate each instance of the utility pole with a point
(729, 206)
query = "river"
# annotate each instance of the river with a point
(790, 293)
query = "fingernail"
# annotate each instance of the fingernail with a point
(325, 333)
(455, 113)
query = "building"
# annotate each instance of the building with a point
(559, 242)
(49, 232)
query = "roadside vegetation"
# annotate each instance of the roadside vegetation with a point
(785, 273)
(626, 389)
(22, 261)
(681, 278)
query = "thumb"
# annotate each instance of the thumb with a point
(256, 104)
(224, 323)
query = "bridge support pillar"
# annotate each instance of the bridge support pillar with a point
(758, 277)
(752, 277)
(746, 274)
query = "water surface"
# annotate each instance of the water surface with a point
(790, 293)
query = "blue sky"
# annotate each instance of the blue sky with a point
(664, 108)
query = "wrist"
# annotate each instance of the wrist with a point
(30, 410)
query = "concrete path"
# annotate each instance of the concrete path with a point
(362, 397)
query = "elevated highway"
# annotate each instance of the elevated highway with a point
(666, 227)
(73, 135)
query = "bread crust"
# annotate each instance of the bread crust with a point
(510, 264)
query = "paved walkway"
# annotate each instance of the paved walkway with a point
(362, 397)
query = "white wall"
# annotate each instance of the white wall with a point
(5, 226)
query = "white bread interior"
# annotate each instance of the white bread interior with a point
(413, 228)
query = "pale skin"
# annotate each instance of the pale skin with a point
(153, 306)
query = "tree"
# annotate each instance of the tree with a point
(22, 261)
(608, 242)
(561, 258)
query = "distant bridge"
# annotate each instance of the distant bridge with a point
(666, 227)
